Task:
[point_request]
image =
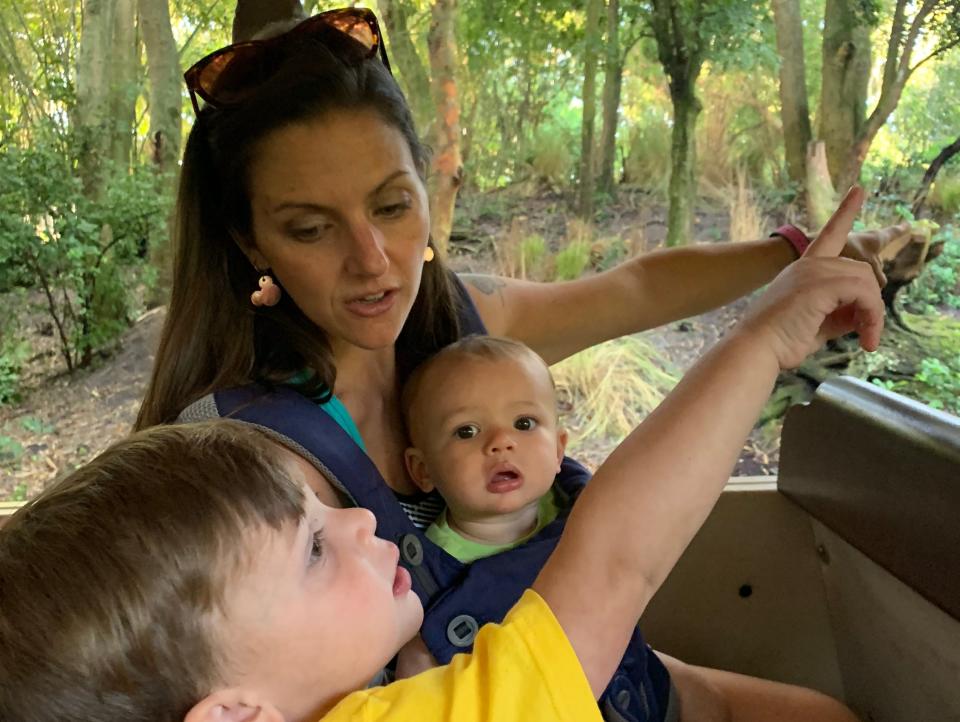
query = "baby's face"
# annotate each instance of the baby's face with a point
(321, 609)
(487, 435)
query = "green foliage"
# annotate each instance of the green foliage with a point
(945, 194)
(936, 383)
(648, 160)
(19, 493)
(939, 282)
(551, 156)
(533, 254)
(610, 252)
(573, 260)
(36, 425)
(10, 449)
(83, 254)
(11, 361)
(13, 352)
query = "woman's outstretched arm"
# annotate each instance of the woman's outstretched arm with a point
(559, 319)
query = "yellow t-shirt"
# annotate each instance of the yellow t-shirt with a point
(522, 670)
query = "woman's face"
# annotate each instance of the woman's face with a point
(340, 216)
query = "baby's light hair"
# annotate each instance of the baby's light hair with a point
(488, 348)
(112, 580)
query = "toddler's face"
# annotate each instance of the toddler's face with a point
(321, 609)
(487, 435)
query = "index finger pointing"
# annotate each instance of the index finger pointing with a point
(833, 236)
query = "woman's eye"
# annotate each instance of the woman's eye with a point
(309, 233)
(525, 423)
(393, 210)
(467, 431)
(316, 547)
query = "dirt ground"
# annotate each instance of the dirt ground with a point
(64, 420)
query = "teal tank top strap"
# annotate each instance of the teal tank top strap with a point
(338, 412)
(333, 407)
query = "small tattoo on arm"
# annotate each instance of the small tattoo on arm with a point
(487, 285)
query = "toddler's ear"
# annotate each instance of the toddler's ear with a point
(417, 469)
(233, 705)
(561, 446)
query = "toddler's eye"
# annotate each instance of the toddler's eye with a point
(316, 548)
(467, 431)
(525, 423)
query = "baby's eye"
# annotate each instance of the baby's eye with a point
(467, 431)
(525, 423)
(316, 548)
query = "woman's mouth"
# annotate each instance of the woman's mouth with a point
(373, 304)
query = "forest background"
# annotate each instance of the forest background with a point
(567, 137)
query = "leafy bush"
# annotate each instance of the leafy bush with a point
(939, 282)
(936, 383)
(13, 352)
(551, 156)
(84, 254)
(573, 260)
(533, 255)
(946, 194)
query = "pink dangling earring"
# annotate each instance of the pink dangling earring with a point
(269, 293)
(428, 254)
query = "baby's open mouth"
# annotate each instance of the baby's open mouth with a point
(504, 478)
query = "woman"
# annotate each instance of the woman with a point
(303, 259)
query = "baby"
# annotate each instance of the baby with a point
(482, 419)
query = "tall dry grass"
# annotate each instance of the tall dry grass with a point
(607, 390)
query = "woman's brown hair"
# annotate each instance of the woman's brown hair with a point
(213, 338)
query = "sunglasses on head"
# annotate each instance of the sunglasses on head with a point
(229, 75)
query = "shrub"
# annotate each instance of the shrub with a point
(533, 256)
(945, 194)
(573, 260)
(84, 254)
(13, 352)
(551, 157)
(939, 282)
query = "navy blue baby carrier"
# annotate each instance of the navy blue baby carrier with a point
(457, 598)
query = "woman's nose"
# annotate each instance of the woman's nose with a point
(367, 252)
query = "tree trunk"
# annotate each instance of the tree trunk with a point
(590, 53)
(942, 158)
(683, 163)
(612, 85)
(163, 71)
(794, 108)
(124, 83)
(821, 195)
(904, 35)
(408, 65)
(94, 80)
(846, 72)
(447, 166)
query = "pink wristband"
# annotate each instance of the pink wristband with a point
(794, 236)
